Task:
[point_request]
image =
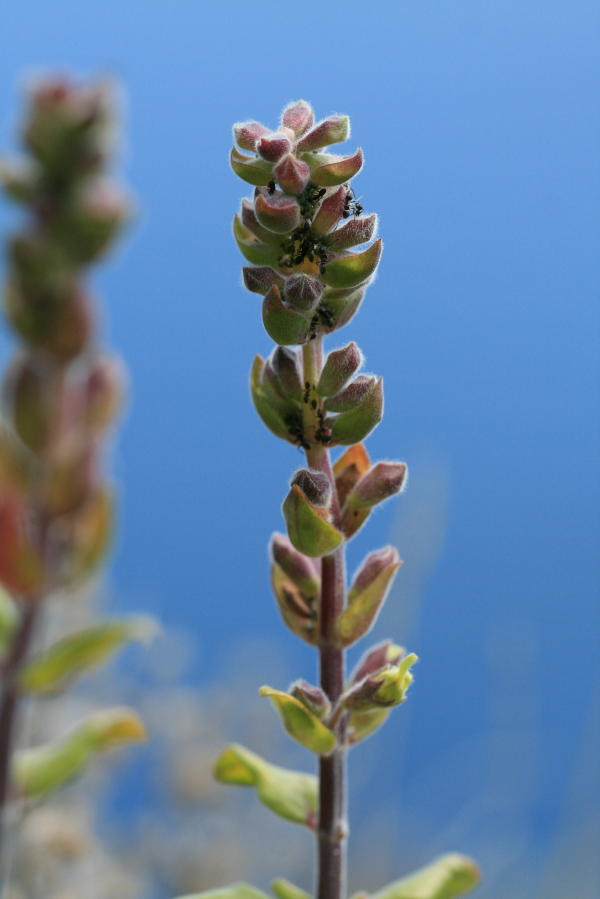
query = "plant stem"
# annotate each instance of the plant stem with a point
(9, 703)
(332, 823)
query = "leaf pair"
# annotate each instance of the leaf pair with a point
(282, 889)
(448, 876)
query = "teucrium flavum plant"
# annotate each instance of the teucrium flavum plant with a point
(60, 397)
(312, 255)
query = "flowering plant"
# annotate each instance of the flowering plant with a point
(300, 232)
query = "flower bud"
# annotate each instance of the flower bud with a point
(367, 595)
(356, 231)
(72, 478)
(259, 278)
(394, 681)
(330, 212)
(246, 134)
(303, 292)
(339, 367)
(299, 568)
(88, 228)
(282, 323)
(271, 147)
(337, 169)
(278, 212)
(352, 395)
(103, 393)
(275, 393)
(312, 697)
(67, 129)
(385, 653)
(383, 688)
(333, 130)
(354, 425)
(308, 526)
(35, 392)
(349, 469)
(314, 484)
(60, 325)
(298, 116)
(292, 174)
(297, 609)
(285, 364)
(384, 480)
(372, 567)
(249, 220)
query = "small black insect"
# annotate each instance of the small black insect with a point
(322, 434)
(352, 206)
(306, 391)
(297, 433)
(271, 187)
(326, 316)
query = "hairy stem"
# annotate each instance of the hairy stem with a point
(9, 703)
(332, 823)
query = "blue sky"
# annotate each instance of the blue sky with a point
(480, 126)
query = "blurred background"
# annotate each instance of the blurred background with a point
(481, 132)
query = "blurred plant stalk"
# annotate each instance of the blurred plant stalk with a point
(312, 255)
(60, 397)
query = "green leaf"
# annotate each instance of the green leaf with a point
(283, 889)
(82, 651)
(448, 876)
(235, 891)
(252, 169)
(307, 525)
(44, 769)
(360, 614)
(8, 619)
(300, 723)
(290, 794)
(352, 270)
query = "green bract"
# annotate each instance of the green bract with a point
(290, 794)
(235, 891)
(307, 525)
(300, 722)
(283, 889)
(448, 876)
(82, 651)
(44, 769)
